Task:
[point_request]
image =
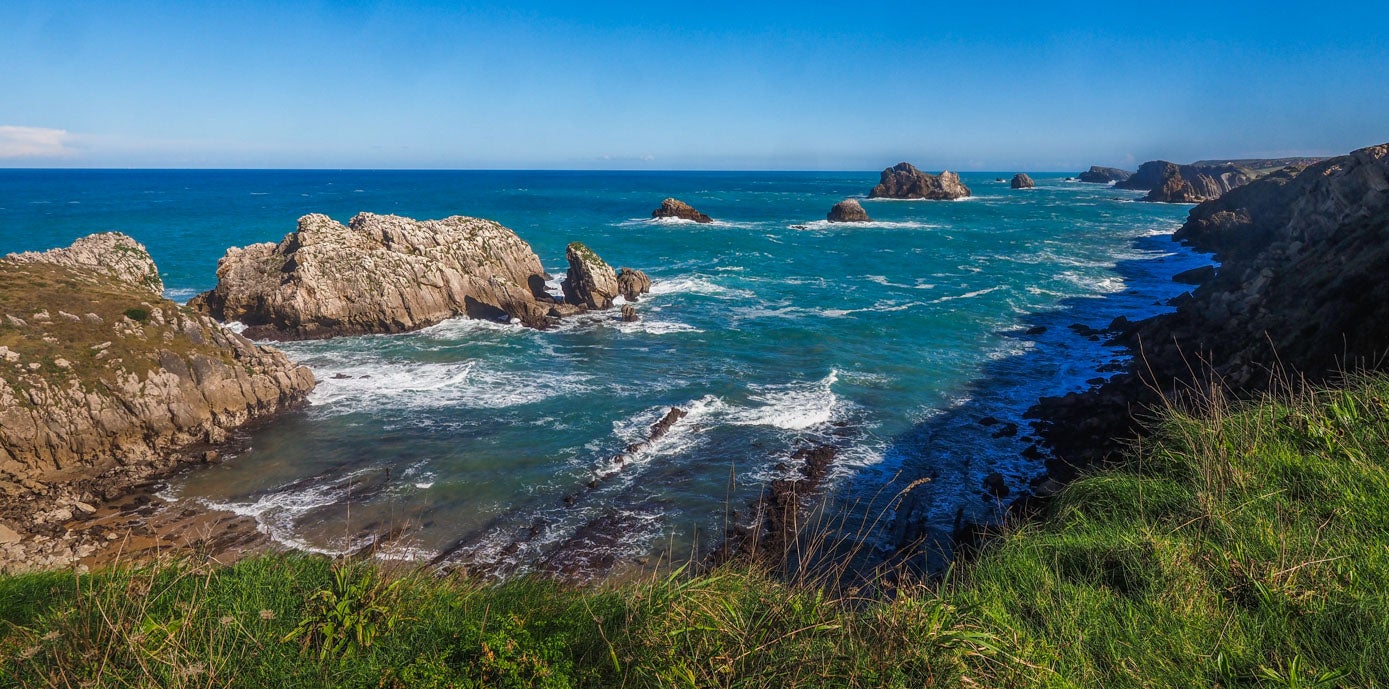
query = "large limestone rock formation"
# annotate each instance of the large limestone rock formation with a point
(1172, 183)
(1022, 181)
(675, 208)
(103, 383)
(632, 283)
(590, 282)
(903, 181)
(378, 274)
(1104, 175)
(848, 210)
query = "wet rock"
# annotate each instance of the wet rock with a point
(590, 282)
(1036, 330)
(629, 313)
(848, 210)
(1195, 276)
(632, 284)
(995, 485)
(675, 208)
(904, 181)
(1022, 181)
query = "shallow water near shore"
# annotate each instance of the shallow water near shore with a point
(478, 443)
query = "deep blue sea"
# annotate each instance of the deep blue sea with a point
(774, 329)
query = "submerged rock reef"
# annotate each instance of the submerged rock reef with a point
(390, 274)
(104, 384)
(904, 181)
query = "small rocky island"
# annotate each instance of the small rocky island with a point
(675, 208)
(904, 181)
(1104, 175)
(390, 274)
(104, 385)
(1022, 181)
(1172, 183)
(848, 210)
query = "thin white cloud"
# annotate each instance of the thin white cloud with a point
(33, 142)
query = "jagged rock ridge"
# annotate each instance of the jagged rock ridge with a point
(904, 181)
(675, 208)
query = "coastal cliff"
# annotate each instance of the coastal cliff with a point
(1172, 183)
(1299, 293)
(904, 181)
(378, 274)
(105, 384)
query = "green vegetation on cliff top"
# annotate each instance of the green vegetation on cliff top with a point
(1240, 546)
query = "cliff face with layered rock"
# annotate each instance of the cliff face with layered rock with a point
(103, 383)
(1172, 183)
(590, 282)
(904, 181)
(378, 274)
(1300, 288)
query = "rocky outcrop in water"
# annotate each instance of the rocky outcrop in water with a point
(632, 284)
(903, 181)
(1022, 181)
(675, 208)
(104, 384)
(1300, 288)
(1104, 175)
(1172, 183)
(590, 282)
(848, 210)
(378, 274)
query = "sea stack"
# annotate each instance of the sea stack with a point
(1172, 183)
(1022, 181)
(904, 181)
(378, 274)
(1104, 175)
(590, 282)
(675, 208)
(632, 284)
(848, 210)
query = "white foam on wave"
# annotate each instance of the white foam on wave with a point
(821, 225)
(180, 294)
(967, 295)
(277, 512)
(235, 326)
(880, 307)
(1101, 284)
(638, 222)
(377, 384)
(882, 280)
(697, 284)
(794, 407)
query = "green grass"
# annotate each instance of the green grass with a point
(1239, 546)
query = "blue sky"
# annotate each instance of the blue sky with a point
(653, 85)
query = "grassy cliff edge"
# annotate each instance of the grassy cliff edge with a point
(1240, 545)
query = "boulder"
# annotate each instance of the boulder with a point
(1104, 175)
(848, 210)
(629, 313)
(1022, 181)
(675, 208)
(590, 282)
(147, 386)
(903, 181)
(631, 284)
(378, 274)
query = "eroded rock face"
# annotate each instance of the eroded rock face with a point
(378, 274)
(104, 384)
(632, 284)
(590, 282)
(1104, 175)
(848, 210)
(903, 181)
(1022, 181)
(1172, 183)
(675, 208)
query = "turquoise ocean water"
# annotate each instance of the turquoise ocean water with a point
(774, 329)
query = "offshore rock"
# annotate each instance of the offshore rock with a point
(675, 208)
(629, 314)
(378, 274)
(1172, 183)
(135, 387)
(1022, 181)
(903, 181)
(1104, 175)
(632, 284)
(848, 210)
(590, 282)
